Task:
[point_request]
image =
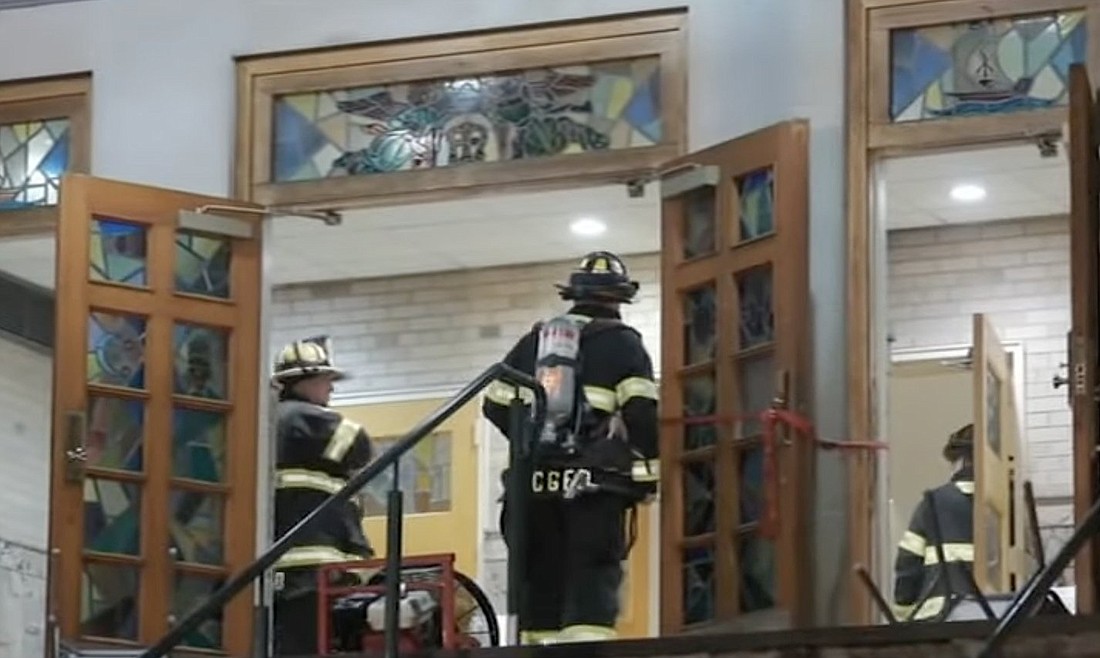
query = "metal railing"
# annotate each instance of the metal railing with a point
(385, 461)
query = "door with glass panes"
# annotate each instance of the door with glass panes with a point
(156, 389)
(735, 343)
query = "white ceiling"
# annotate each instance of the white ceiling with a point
(511, 229)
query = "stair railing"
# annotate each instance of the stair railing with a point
(387, 460)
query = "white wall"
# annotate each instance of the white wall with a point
(164, 112)
(1018, 272)
(25, 395)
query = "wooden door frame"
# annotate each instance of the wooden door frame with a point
(868, 140)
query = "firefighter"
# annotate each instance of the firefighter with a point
(588, 478)
(317, 450)
(917, 569)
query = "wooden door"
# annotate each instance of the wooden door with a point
(156, 369)
(1084, 140)
(735, 341)
(633, 622)
(996, 453)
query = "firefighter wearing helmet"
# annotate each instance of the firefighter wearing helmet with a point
(594, 460)
(317, 451)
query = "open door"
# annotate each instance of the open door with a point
(735, 341)
(996, 455)
(1084, 140)
(156, 369)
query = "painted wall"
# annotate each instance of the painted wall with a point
(163, 114)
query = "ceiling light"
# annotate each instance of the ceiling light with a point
(968, 193)
(588, 227)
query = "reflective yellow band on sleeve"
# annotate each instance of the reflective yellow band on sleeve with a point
(951, 552)
(312, 556)
(902, 612)
(930, 608)
(587, 633)
(601, 398)
(913, 543)
(502, 393)
(646, 470)
(296, 478)
(537, 637)
(965, 487)
(635, 387)
(341, 440)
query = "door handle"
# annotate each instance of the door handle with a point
(76, 452)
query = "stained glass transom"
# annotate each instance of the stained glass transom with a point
(112, 516)
(117, 253)
(993, 411)
(115, 429)
(984, 67)
(698, 585)
(198, 445)
(33, 156)
(447, 122)
(700, 399)
(698, 483)
(202, 265)
(190, 588)
(700, 325)
(425, 473)
(757, 567)
(116, 350)
(700, 222)
(197, 528)
(109, 601)
(756, 196)
(200, 367)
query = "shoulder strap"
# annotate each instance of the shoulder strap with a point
(599, 325)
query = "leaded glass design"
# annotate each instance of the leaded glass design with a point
(115, 429)
(425, 124)
(200, 366)
(756, 387)
(116, 350)
(992, 558)
(756, 204)
(117, 253)
(197, 526)
(109, 601)
(758, 576)
(698, 585)
(700, 222)
(751, 469)
(698, 483)
(425, 472)
(993, 411)
(755, 309)
(198, 445)
(188, 590)
(202, 265)
(33, 156)
(112, 516)
(700, 399)
(700, 325)
(984, 67)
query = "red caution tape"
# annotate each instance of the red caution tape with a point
(771, 420)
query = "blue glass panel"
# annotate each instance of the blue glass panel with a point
(198, 445)
(698, 497)
(116, 350)
(698, 585)
(202, 265)
(758, 576)
(33, 156)
(112, 516)
(201, 361)
(117, 252)
(756, 191)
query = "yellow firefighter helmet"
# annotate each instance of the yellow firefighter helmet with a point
(309, 357)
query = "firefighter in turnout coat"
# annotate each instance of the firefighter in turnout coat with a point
(917, 566)
(587, 480)
(317, 451)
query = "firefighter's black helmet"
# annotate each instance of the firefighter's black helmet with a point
(960, 444)
(601, 276)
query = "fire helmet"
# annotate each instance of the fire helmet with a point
(600, 276)
(309, 357)
(960, 444)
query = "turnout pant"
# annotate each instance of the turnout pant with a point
(295, 624)
(575, 550)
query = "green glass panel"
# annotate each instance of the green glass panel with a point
(198, 526)
(112, 516)
(201, 366)
(198, 445)
(116, 350)
(189, 591)
(115, 429)
(202, 265)
(756, 195)
(117, 253)
(758, 575)
(33, 156)
(698, 585)
(109, 601)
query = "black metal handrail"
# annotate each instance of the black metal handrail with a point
(387, 460)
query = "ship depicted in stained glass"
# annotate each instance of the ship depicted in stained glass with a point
(33, 156)
(491, 118)
(984, 67)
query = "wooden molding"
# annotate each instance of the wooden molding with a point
(261, 78)
(45, 98)
(872, 136)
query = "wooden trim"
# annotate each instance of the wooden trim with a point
(261, 78)
(39, 99)
(870, 136)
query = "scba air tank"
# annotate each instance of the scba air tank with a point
(556, 369)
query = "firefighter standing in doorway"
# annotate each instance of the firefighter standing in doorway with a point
(594, 461)
(317, 450)
(917, 566)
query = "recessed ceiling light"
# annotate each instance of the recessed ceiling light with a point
(968, 193)
(588, 227)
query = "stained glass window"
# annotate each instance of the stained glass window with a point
(116, 252)
(993, 411)
(751, 468)
(115, 428)
(699, 222)
(198, 445)
(112, 516)
(33, 156)
(984, 67)
(197, 527)
(202, 265)
(200, 369)
(757, 566)
(425, 473)
(756, 193)
(699, 400)
(189, 589)
(109, 601)
(698, 483)
(754, 304)
(756, 385)
(698, 585)
(700, 325)
(116, 350)
(426, 124)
